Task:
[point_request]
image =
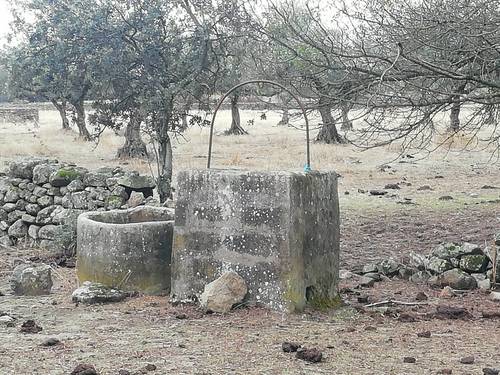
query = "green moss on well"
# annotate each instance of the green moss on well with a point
(319, 302)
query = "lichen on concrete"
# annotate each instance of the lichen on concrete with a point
(278, 230)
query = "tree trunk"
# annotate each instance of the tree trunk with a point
(184, 115)
(164, 181)
(328, 133)
(236, 128)
(134, 147)
(285, 118)
(80, 120)
(455, 110)
(61, 108)
(346, 123)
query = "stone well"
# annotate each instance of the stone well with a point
(278, 230)
(129, 249)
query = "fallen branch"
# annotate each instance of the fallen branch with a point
(391, 302)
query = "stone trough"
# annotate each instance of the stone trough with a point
(127, 249)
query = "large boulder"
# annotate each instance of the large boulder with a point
(223, 293)
(31, 279)
(96, 179)
(92, 292)
(455, 278)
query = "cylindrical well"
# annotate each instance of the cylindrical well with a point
(127, 249)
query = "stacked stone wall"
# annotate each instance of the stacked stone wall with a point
(40, 200)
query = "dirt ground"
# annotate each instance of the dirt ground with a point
(354, 340)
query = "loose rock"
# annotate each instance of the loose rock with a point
(290, 347)
(30, 326)
(309, 355)
(221, 294)
(467, 360)
(31, 279)
(91, 293)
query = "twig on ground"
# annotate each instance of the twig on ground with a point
(394, 302)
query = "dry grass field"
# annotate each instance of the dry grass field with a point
(248, 341)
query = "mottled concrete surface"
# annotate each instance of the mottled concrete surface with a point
(129, 249)
(278, 230)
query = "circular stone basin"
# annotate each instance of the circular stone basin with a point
(126, 249)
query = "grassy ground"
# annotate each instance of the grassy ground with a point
(145, 330)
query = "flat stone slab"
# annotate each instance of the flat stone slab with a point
(278, 230)
(91, 293)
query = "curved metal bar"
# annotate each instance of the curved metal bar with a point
(221, 100)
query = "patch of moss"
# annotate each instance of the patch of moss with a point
(320, 302)
(114, 200)
(68, 174)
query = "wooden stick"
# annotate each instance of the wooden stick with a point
(494, 261)
(393, 302)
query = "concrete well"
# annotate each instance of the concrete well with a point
(129, 249)
(278, 230)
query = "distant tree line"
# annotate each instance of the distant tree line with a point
(146, 64)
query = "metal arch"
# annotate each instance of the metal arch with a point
(308, 152)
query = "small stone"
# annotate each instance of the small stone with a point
(136, 199)
(92, 292)
(484, 284)
(373, 275)
(446, 198)
(150, 367)
(365, 282)
(124, 372)
(409, 360)
(31, 279)
(425, 334)
(446, 371)
(30, 326)
(51, 342)
(6, 320)
(370, 268)
(378, 192)
(456, 279)
(392, 186)
(84, 369)
(370, 328)
(420, 277)
(18, 230)
(437, 265)
(221, 294)
(495, 296)
(75, 185)
(363, 299)
(490, 371)
(290, 347)
(474, 263)
(309, 355)
(447, 292)
(467, 360)
(421, 296)
(5, 241)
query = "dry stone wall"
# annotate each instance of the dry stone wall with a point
(40, 200)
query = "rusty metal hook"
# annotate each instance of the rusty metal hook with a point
(307, 167)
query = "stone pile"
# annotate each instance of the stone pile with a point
(459, 266)
(40, 200)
